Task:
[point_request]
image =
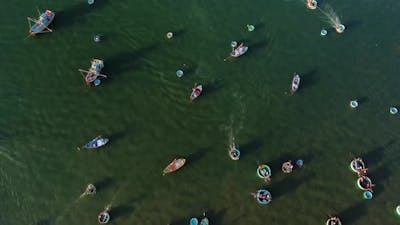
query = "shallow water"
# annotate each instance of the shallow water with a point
(47, 111)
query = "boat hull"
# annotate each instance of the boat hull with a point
(174, 166)
(295, 83)
(196, 92)
(96, 143)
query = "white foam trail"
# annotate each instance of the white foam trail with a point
(9, 157)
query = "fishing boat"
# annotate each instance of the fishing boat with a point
(263, 171)
(104, 216)
(287, 167)
(357, 165)
(196, 91)
(240, 50)
(97, 142)
(174, 165)
(263, 197)
(295, 83)
(93, 75)
(312, 4)
(364, 183)
(40, 25)
(333, 221)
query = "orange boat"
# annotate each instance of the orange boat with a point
(174, 165)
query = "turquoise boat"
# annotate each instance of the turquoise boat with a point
(194, 221)
(41, 24)
(204, 221)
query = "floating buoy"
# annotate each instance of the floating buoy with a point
(324, 32)
(170, 35)
(250, 27)
(97, 38)
(179, 73)
(233, 44)
(90, 2)
(368, 195)
(393, 110)
(97, 82)
(353, 104)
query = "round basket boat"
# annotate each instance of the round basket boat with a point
(364, 183)
(397, 210)
(323, 32)
(368, 195)
(393, 110)
(104, 217)
(357, 165)
(234, 154)
(312, 4)
(264, 197)
(333, 221)
(354, 104)
(340, 28)
(179, 73)
(287, 167)
(263, 171)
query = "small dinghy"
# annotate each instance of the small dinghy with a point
(263, 171)
(104, 216)
(263, 197)
(174, 165)
(333, 221)
(96, 142)
(295, 83)
(41, 24)
(358, 166)
(240, 50)
(364, 183)
(196, 92)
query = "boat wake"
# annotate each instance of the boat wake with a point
(11, 159)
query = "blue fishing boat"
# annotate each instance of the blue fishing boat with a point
(93, 75)
(41, 24)
(96, 143)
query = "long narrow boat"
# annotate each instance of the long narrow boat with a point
(97, 142)
(295, 83)
(174, 165)
(196, 91)
(41, 24)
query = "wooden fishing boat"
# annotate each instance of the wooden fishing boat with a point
(93, 74)
(174, 165)
(41, 24)
(240, 50)
(196, 91)
(96, 142)
(295, 83)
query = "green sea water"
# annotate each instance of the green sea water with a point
(46, 111)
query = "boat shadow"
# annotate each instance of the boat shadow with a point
(126, 61)
(352, 24)
(308, 79)
(104, 183)
(353, 213)
(258, 46)
(121, 211)
(196, 156)
(251, 146)
(287, 185)
(76, 14)
(116, 136)
(213, 86)
(45, 222)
